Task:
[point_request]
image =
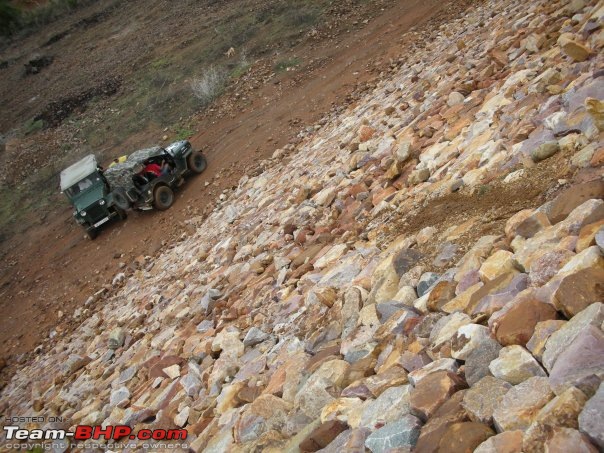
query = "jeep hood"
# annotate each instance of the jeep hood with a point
(84, 199)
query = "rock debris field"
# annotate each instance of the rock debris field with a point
(388, 283)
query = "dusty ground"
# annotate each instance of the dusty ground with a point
(50, 269)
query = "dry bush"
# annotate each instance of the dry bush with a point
(209, 86)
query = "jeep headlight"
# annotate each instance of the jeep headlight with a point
(83, 213)
(102, 202)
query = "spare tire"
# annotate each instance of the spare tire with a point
(120, 199)
(163, 197)
(197, 162)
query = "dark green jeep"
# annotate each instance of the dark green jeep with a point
(90, 194)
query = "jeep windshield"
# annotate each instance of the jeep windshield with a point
(82, 186)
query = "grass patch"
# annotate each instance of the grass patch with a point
(239, 70)
(32, 126)
(285, 63)
(183, 133)
(160, 63)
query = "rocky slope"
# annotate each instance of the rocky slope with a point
(379, 285)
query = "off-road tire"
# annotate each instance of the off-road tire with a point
(163, 197)
(92, 233)
(121, 214)
(120, 199)
(197, 162)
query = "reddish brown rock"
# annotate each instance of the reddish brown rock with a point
(587, 235)
(432, 391)
(449, 413)
(156, 367)
(543, 331)
(547, 265)
(365, 133)
(323, 435)
(565, 440)
(579, 290)
(442, 293)
(561, 412)
(464, 437)
(573, 197)
(505, 442)
(515, 323)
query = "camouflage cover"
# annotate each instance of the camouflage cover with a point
(120, 175)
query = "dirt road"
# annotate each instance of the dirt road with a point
(52, 269)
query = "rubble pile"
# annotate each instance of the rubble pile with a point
(308, 313)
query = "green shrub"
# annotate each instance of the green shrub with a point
(10, 18)
(33, 126)
(285, 63)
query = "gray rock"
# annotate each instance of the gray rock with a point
(74, 363)
(600, 239)
(545, 150)
(214, 293)
(398, 434)
(350, 310)
(483, 397)
(116, 338)
(467, 339)
(191, 385)
(425, 326)
(515, 365)
(477, 361)
(591, 418)
(254, 336)
(205, 325)
(208, 302)
(386, 309)
(404, 260)
(446, 252)
(446, 328)
(120, 397)
(520, 405)
(127, 374)
(386, 408)
(581, 364)
(445, 364)
(338, 444)
(425, 282)
(560, 339)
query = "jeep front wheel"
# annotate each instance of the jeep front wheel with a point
(120, 199)
(92, 233)
(122, 215)
(197, 162)
(163, 197)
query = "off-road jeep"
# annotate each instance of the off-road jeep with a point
(90, 194)
(127, 185)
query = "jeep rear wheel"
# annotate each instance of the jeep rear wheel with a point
(163, 197)
(197, 162)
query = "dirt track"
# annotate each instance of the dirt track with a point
(53, 268)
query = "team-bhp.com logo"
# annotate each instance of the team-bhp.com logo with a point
(84, 433)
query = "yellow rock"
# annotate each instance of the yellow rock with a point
(498, 263)
(572, 48)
